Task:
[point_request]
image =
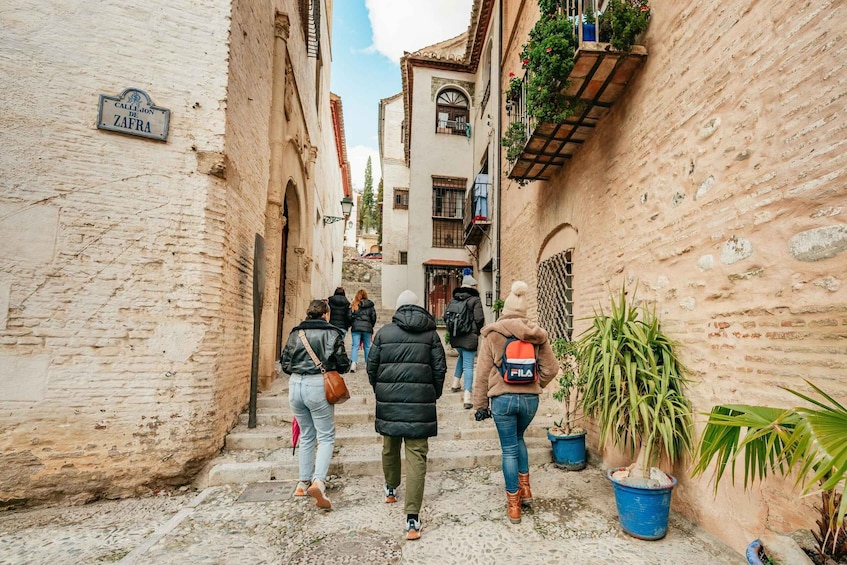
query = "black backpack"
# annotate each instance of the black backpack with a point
(458, 317)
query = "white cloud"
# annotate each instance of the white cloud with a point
(408, 25)
(358, 157)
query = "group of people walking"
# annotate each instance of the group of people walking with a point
(406, 367)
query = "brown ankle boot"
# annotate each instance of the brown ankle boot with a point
(513, 506)
(525, 492)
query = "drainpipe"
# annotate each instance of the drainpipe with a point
(499, 152)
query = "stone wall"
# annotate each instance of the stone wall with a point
(715, 190)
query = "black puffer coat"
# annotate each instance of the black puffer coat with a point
(406, 369)
(364, 318)
(339, 311)
(469, 341)
(326, 341)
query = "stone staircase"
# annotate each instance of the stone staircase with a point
(264, 453)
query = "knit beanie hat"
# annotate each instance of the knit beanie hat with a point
(468, 280)
(515, 303)
(406, 297)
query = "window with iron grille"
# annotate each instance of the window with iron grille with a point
(447, 201)
(451, 113)
(401, 198)
(555, 295)
(440, 283)
(404, 257)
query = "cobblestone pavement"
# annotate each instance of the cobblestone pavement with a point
(572, 520)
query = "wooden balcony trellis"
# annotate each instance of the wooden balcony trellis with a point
(599, 77)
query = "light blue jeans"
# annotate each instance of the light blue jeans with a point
(512, 415)
(465, 365)
(316, 417)
(364, 338)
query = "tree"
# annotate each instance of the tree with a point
(367, 218)
(379, 212)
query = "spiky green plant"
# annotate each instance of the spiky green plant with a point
(634, 385)
(811, 440)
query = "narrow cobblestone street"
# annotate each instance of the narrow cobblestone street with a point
(572, 520)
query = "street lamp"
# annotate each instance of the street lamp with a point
(346, 208)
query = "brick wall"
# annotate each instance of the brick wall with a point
(716, 184)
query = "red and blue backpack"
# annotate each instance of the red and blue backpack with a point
(519, 365)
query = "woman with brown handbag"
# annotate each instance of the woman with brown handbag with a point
(307, 396)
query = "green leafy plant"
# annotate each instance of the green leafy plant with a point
(588, 15)
(634, 385)
(623, 21)
(571, 383)
(514, 140)
(548, 57)
(498, 305)
(811, 440)
(515, 86)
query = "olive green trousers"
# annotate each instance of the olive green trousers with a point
(416, 451)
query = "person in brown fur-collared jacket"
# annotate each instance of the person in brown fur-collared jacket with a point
(513, 406)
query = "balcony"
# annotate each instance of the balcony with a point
(477, 211)
(599, 77)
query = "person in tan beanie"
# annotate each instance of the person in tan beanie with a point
(513, 406)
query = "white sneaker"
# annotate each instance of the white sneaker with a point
(302, 487)
(317, 490)
(468, 401)
(353, 367)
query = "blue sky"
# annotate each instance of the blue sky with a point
(368, 39)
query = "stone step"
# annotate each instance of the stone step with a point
(269, 438)
(363, 460)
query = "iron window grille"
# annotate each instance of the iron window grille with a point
(555, 295)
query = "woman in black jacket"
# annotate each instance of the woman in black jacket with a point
(362, 320)
(406, 369)
(307, 398)
(339, 310)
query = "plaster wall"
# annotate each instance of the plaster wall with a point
(715, 190)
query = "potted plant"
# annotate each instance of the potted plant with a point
(566, 438)
(514, 140)
(623, 21)
(634, 384)
(513, 93)
(810, 440)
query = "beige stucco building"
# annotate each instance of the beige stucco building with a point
(715, 189)
(126, 269)
(439, 148)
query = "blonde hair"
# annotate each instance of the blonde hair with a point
(360, 295)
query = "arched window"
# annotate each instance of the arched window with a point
(451, 112)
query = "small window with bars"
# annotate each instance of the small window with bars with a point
(555, 295)
(401, 198)
(404, 257)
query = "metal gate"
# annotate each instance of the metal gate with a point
(555, 295)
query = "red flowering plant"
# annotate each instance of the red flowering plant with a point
(514, 90)
(548, 58)
(623, 21)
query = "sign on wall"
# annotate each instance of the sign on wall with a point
(133, 113)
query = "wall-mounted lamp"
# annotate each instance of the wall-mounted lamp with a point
(346, 208)
(488, 297)
(509, 107)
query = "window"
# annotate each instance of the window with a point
(447, 201)
(555, 295)
(401, 198)
(451, 112)
(404, 257)
(310, 16)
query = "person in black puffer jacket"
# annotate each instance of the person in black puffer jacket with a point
(406, 369)
(465, 345)
(307, 398)
(339, 310)
(362, 320)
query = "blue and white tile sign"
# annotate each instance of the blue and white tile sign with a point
(133, 113)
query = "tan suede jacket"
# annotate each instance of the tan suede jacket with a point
(487, 380)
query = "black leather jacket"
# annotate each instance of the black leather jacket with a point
(327, 342)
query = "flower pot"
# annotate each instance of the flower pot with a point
(589, 32)
(643, 511)
(754, 551)
(568, 451)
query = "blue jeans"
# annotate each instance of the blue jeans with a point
(316, 417)
(512, 415)
(465, 365)
(357, 337)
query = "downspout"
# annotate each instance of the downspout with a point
(499, 152)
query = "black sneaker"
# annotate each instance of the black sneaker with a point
(390, 495)
(413, 529)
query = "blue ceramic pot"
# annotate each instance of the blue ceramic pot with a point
(643, 511)
(568, 451)
(754, 550)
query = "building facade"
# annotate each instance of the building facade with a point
(714, 189)
(126, 273)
